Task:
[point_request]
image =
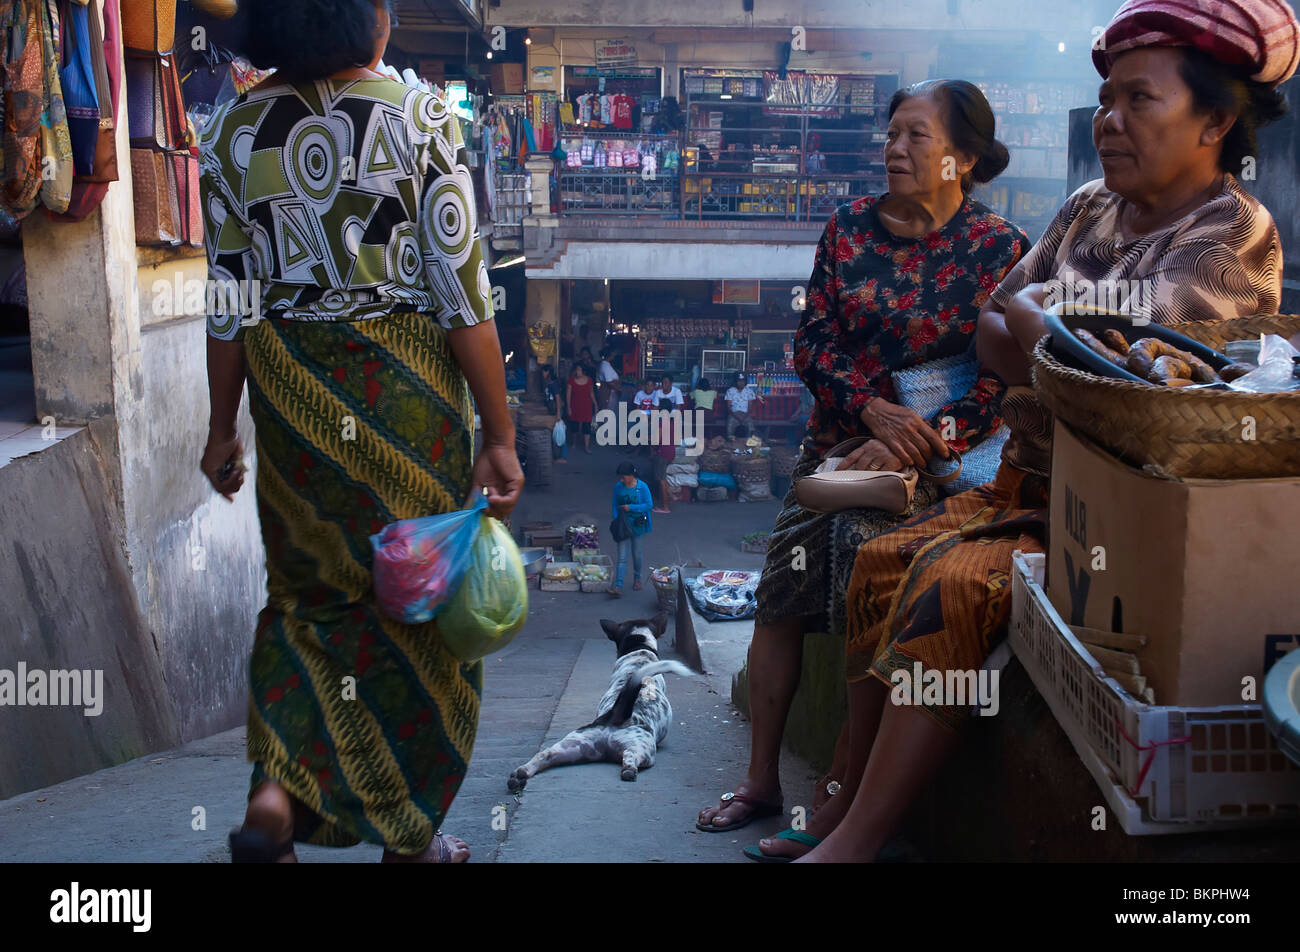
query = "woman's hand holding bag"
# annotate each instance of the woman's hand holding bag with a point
(903, 431)
(836, 486)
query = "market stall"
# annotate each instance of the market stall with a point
(791, 145)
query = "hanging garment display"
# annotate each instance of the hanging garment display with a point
(77, 76)
(88, 191)
(56, 143)
(22, 87)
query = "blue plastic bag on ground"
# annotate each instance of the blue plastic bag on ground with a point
(718, 479)
(420, 563)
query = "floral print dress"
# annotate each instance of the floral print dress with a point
(878, 303)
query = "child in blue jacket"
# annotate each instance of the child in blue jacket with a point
(631, 499)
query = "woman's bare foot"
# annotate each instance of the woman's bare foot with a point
(270, 812)
(441, 849)
(838, 848)
(821, 824)
(760, 798)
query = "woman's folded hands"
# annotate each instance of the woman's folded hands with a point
(903, 432)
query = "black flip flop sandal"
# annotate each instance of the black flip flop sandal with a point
(760, 811)
(254, 846)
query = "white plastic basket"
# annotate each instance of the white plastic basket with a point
(1162, 768)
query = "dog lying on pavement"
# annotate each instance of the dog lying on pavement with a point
(632, 718)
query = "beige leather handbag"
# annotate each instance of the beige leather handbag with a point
(831, 489)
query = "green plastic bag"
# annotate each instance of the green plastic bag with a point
(491, 604)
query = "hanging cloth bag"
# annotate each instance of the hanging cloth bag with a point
(77, 76)
(21, 84)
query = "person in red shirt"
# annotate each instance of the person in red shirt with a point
(582, 403)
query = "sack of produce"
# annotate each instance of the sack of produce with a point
(724, 480)
(490, 606)
(677, 480)
(419, 563)
(683, 469)
(754, 492)
(711, 494)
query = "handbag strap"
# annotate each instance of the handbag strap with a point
(942, 478)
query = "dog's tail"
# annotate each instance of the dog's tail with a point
(626, 700)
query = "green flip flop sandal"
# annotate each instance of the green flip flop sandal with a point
(807, 839)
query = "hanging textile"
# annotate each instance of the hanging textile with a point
(23, 96)
(56, 143)
(77, 75)
(88, 191)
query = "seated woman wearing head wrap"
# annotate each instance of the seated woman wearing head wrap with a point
(1184, 91)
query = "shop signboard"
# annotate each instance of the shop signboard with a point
(799, 94)
(736, 292)
(612, 53)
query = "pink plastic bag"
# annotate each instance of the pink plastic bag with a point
(420, 563)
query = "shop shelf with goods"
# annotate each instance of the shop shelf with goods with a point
(1033, 122)
(793, 147)
(606, 172)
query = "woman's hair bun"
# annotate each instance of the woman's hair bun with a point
(992, 163)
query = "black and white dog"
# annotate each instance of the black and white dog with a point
(632, 718)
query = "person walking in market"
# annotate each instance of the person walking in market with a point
(553, 392)
(581, 400)
(631, 506)
(389, 327)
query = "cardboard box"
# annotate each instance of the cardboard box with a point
(1205, 569)
(506, 78)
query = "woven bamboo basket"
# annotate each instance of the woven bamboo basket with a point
(666, 588)
(783, 460)
(1188, 434)
(715, 461)
(752, 470)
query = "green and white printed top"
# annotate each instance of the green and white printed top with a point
(345, 200)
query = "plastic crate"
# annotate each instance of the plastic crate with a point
(594, 587)
(1164, 769)
(584, 556)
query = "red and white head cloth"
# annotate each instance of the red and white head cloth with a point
(1262, 35)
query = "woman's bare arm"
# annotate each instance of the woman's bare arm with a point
(1006, 338)
(478, 352)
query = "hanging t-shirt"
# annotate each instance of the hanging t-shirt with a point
(607, 109)
(622, 110)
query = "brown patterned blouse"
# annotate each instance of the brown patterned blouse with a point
(1221, 260)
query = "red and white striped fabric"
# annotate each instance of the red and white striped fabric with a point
(1261, 34)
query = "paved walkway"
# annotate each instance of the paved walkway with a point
(543, 685)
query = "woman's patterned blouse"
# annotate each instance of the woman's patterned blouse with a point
(339, 200)
(878, 303)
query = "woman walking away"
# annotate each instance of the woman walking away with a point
(631, 504)
(360, 728)
(581, 399)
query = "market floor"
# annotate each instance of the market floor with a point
(178, 805)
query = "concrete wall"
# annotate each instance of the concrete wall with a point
(140, 569)
(961, 15)
(681, 261)
(68, 602)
